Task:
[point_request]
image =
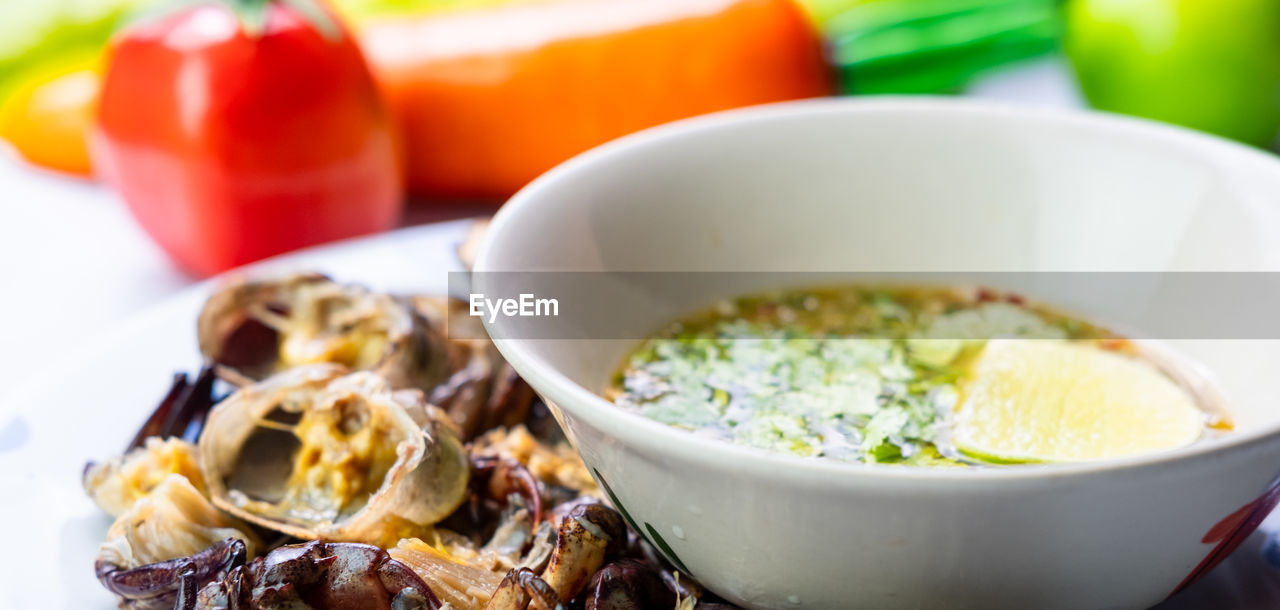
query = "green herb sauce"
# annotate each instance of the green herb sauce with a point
(857, 374)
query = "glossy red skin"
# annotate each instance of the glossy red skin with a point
(230, 148)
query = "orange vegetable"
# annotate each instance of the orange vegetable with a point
(46, 120)
(490, 98)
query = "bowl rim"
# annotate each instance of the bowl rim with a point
(657, 438)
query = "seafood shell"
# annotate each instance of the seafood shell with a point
(257, 328)
(319, 453)
(253, 329)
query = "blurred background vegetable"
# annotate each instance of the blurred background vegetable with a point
(48, 112)
(488, 99)
(356, 11)
(239, 129)
(931, 46)
(50, 55)
(1212, 65)
(487, 94)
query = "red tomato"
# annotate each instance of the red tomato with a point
(231, 146)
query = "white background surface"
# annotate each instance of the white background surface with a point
(73, 263)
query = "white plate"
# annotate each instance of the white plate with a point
(89, 405)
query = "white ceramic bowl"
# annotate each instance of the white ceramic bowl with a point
(922, 184)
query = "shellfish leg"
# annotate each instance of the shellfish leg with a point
(521, 589)
(182, 411)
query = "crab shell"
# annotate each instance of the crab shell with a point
(243, 463)
(232, 335)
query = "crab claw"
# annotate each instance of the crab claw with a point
(628, 584)
(182, 411)
(588, 535)
(162, 584)
(320, 575)
(498, 478)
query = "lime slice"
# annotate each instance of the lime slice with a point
(1056, 401)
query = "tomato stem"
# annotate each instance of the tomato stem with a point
(253, 16)
(318, 16)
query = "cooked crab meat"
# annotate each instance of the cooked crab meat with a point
(459, 581)
(318, 453)
(462, 574)
(174, 520)
(550, 464)
(115, 485)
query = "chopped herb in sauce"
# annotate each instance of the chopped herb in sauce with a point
(856, 374)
